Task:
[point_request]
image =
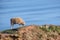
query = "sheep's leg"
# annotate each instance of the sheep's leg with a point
(20, 25)
(12, 26)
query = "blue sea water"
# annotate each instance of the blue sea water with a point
(37, 12)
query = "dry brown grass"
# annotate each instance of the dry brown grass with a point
(35, 32)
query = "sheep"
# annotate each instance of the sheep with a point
(17, 20)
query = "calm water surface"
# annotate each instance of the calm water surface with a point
(32, 11)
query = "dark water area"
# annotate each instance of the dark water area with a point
(37, 12)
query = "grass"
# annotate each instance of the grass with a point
(10, 31)
(49, 29)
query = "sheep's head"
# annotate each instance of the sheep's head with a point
(23, 23)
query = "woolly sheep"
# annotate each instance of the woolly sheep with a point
(16, 21)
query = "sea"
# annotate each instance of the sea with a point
(37, 12)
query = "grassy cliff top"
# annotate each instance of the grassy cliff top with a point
(46, 28)
(36, 32)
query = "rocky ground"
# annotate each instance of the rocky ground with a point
(32, 32)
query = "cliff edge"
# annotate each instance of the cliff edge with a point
(32, 32)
